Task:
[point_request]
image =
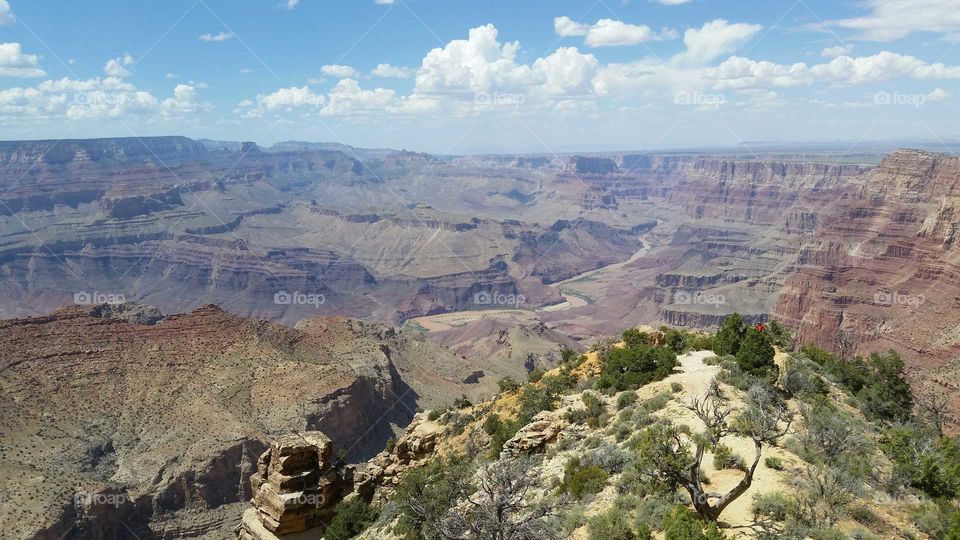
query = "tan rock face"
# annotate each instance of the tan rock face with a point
(381, 473)
(543, 429)
(294, 486)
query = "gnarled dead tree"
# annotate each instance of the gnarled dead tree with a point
(665, 456)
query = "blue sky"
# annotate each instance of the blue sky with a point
(459, 76)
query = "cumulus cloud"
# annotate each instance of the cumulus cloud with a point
(889, 21)
(610, 32)
(216, 38)
(738, 72)
(98, 98)
(6, 14)
(337, 70)
(14, 63)
(834, 52)
(715, 39)
(290, 4)
(481, 63)
(566, 71)
(117, 67)
(388, 71)
(288, 99)
(347, 97)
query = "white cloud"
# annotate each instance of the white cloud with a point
(290, 4)
(171, 76)
(609, 32)
(184, 101)
(891, 20)
(834, 52)
(673, 2)
(347, 97)
(566, 71)
(738, 72)
(714, 39)
(337, 70)
(567, 27)
(384, 2)
(289, 99)
(117, 67)
(216, 38)
(6, 14)
(477, 64)
(97, 99)
(388, 71)
(14, 63)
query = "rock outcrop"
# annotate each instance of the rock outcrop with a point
(294, 488)
(377, 477)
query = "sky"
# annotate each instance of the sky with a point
(460, 76)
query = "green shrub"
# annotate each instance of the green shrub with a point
(632, 367)
(676, 387)
(724, 458)
(535, 374)
(350, 519)
(594, 409)
(863, 515)
(508, 384)
(435, 414)
(625, 399)
(391, 445)
(462, 402)
(682, 524)
(652, 511)
(580, 481)
(500, 432)
(773, 506)
(774, 463)
(611, 525)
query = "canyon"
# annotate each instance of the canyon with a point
(318, 287)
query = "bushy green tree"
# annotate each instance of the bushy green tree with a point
(886, 394)
(682, 524)
(731, 334)
(632, 367)
(755, 355)
(924, 459)
(350, 519)
(633, 337)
